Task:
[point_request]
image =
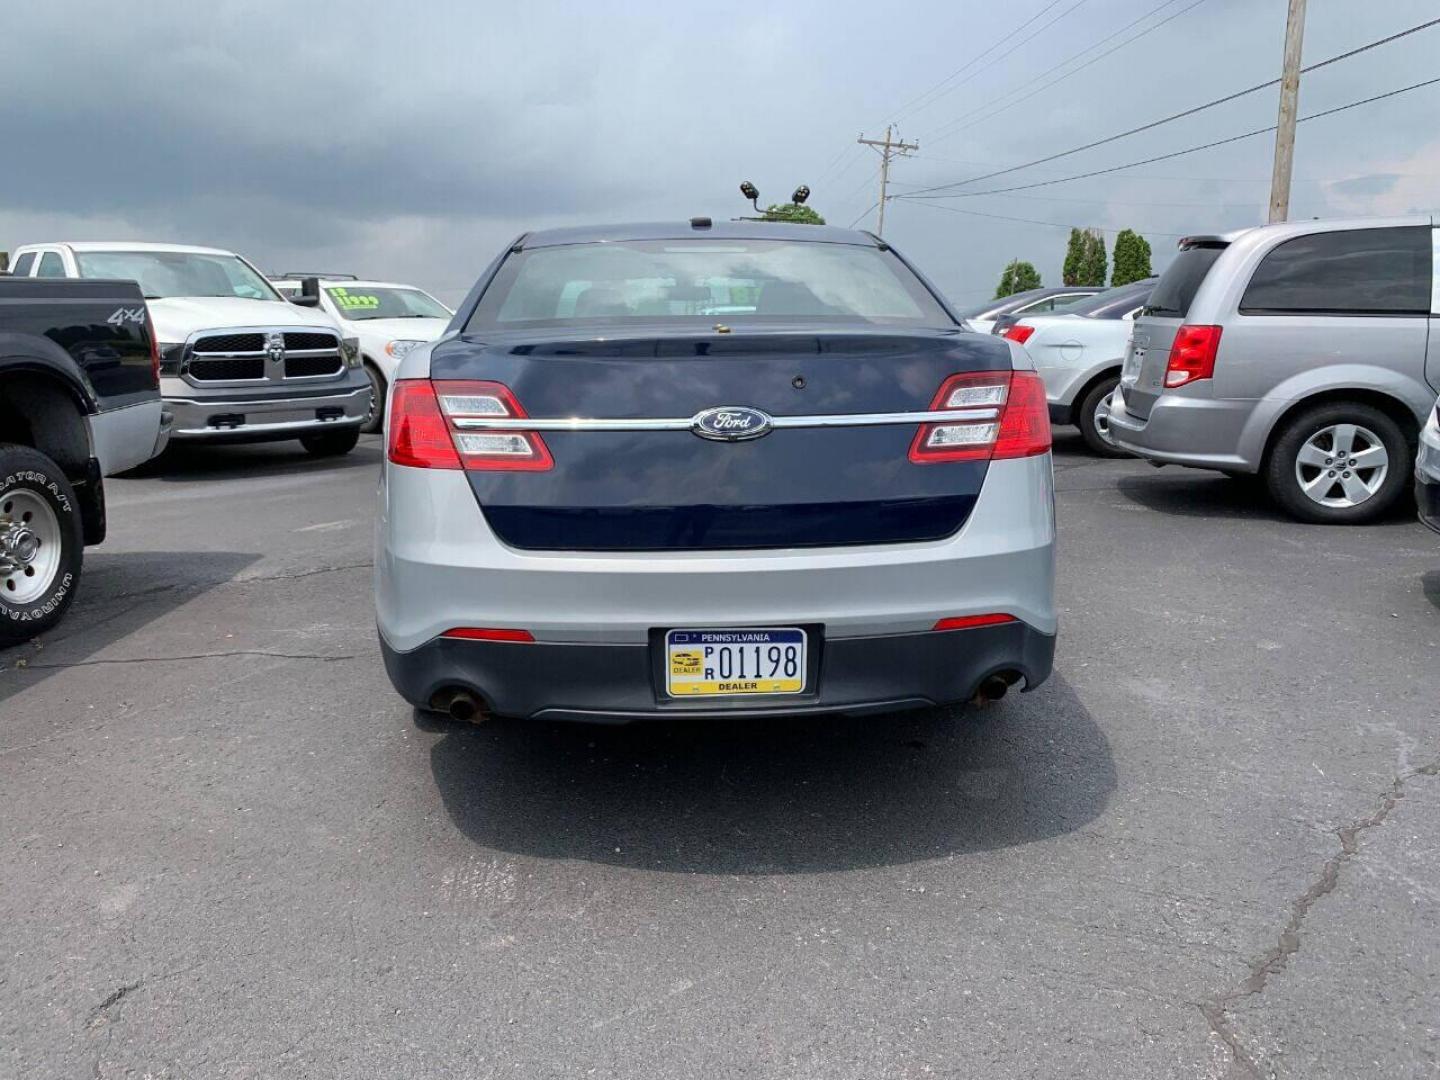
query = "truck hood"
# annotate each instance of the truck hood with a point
(177, 317)
(384, 330)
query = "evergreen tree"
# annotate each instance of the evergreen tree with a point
(1074, 266)
(1017, 277)
(1095, 264)
(1132, 258)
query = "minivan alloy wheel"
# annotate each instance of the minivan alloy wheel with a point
(1102, 418)
(1341, 465)
(30, 546)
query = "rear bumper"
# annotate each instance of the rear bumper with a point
(247, 418)
(621, 683)
(1181, 430)
(127, 437)
(438, 565)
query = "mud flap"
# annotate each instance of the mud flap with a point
(90, 494)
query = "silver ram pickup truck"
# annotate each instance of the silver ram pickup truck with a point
(238, 362)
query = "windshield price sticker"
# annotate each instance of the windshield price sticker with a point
(344, 298)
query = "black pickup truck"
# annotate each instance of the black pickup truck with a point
(79, 400)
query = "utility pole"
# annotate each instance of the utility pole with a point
(1289, 102)
(887, 150)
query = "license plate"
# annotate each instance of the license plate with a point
(727, 663)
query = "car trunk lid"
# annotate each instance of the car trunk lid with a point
(662, 490)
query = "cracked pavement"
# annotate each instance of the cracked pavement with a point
(1206, 848)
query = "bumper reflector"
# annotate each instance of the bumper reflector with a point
(967, 622)
(478, 633)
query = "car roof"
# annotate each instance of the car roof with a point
(131, 245)
(684, 230)
(1286, 229)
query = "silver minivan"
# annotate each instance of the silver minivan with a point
(1301, 352)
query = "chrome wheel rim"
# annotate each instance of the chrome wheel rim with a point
(30, 547)
(1102, 418)
(1341, 465)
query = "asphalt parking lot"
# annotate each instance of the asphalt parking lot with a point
(1207, 847)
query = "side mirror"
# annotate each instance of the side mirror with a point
(309, 295)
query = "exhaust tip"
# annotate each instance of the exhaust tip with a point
(459, 704)
(994, 687)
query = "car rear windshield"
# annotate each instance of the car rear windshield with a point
(704, 282)
(1112, 303)
(1176, 289)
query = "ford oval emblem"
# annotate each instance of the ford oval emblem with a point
(731, 423)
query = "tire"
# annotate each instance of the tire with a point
(41, 545)
(331, 443)
(1090, 412)
(1299, 480)
(375, 418)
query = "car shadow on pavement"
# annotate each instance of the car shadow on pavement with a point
(1203, 493)
(779, 796)
(1430, 583)
(119, 593)
(221, 462)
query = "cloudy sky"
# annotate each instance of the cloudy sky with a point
(413, 140)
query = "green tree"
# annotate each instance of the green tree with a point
(1132, 258)
(1095, 262)
(793, 212)
(1074, 267)
(1017, 277)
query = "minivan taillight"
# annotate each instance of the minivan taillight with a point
(999, 414)
(1192, 356)
(1019, 334)
(428, 428)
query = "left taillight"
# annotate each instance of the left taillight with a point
(999, 414)
(1019, 333)
(428, 428)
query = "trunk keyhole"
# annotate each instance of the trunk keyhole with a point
(798, 382)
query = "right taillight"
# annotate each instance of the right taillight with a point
(1192, 356)
(998, 414)
(1019, 333)
(429, 430)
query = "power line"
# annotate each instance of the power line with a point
(900, 112)
(996, 54)
(979, 115)
(1191, 111)
(862, 214)
(922, 196)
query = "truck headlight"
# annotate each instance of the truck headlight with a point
(350, 349)
(170, 354)
(399, 349)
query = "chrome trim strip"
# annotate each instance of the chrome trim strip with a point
(279, 400)
(829, 420)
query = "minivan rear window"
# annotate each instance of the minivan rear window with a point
(704, 282)
(1176, 289)
(1350, 272)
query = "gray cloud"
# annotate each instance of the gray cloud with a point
(413, 140)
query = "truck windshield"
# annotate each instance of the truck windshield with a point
(177, 273)
(704, 282)
(375, 302)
